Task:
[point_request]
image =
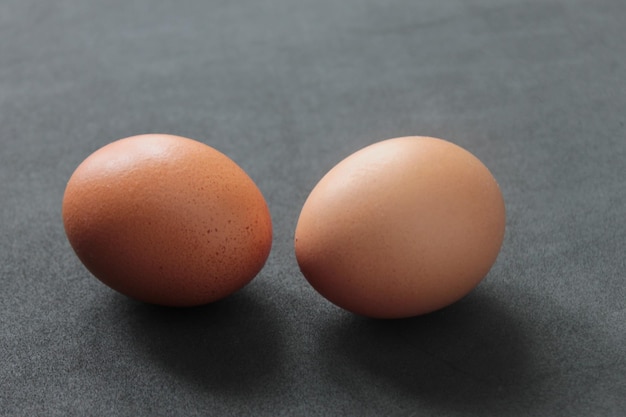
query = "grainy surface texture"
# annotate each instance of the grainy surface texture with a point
(536, 89)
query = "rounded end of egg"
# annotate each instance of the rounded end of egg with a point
(401, 228)
(167, 220)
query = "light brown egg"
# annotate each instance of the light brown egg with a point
(401, 228)
(167, 220)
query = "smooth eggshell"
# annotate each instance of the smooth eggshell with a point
(401, 228)
(167, 220)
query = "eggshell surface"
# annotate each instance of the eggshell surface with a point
(167, 220)
(400, 228)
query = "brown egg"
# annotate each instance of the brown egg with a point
(167, 220)
(401, 228)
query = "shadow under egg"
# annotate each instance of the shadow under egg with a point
(470, 355)
(232, 345)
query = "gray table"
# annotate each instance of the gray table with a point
(536, 89)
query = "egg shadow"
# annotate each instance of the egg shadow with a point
(232, 345)
(469, 356)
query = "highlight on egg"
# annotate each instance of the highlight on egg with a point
(167, 220)
(400, 228)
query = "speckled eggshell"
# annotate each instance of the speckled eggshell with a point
(167, 220)
(401, 228)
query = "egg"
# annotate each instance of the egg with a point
(400, 228)
(167, 220)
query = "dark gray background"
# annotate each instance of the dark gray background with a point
(287, 88)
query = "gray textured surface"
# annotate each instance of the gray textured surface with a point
(535, 88)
